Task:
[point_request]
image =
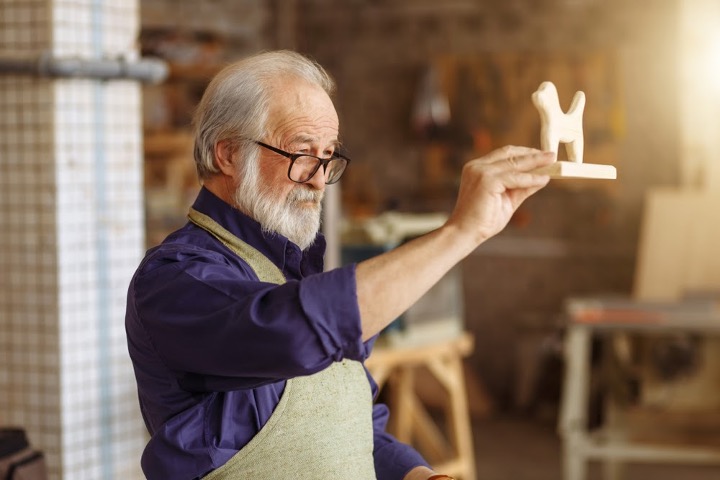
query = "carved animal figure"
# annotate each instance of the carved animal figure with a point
(557, 126)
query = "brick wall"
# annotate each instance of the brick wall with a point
(578, 238)
(378, 49)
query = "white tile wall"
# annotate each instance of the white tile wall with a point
(29, 351)
(72, 233)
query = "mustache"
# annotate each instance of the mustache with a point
(303, 194)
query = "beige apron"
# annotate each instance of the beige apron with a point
(322, 426)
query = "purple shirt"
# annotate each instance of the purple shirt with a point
(212, 346)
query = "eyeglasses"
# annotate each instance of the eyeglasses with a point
(303, 166)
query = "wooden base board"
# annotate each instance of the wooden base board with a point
(565, 169)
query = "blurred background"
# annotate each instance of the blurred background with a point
(96, 166)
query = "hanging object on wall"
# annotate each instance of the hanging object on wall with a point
(565, 127)
(431, 111)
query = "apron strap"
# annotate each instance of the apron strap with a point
(261, 265)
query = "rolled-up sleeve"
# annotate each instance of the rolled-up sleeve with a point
(330, 299)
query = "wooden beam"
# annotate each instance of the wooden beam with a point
(564, 169)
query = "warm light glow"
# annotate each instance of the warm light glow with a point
(699, 92)
(713, 54)
(700, 44)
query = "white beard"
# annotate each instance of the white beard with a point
(290, 218)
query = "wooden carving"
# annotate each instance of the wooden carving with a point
(558, 127)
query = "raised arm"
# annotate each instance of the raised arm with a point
(491, 189)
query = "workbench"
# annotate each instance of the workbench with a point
(591, 319)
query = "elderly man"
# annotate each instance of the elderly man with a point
(248, 357)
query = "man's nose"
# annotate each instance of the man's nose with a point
(317, 181)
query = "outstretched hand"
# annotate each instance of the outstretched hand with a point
(492, 187)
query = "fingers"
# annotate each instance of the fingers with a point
(508, 151)
(524, 162)
(513, 159)
(528, 163)
(523, 180)
(514, 167)
(519, 194)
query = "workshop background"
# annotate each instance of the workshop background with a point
(93, 172)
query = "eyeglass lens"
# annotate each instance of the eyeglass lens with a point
(304, 167)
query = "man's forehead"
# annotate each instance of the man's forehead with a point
(304, 138)
(318, 127)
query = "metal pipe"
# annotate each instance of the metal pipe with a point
(147, 70)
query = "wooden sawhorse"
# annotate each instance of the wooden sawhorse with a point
(453, 453)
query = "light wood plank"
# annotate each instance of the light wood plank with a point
(565, 169)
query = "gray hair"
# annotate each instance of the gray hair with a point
(235, 104)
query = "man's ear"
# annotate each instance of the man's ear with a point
(224, 157)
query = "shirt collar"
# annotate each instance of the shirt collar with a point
(277, 248)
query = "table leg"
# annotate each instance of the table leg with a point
(573, 410)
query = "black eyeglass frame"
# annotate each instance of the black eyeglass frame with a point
(321, 161)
